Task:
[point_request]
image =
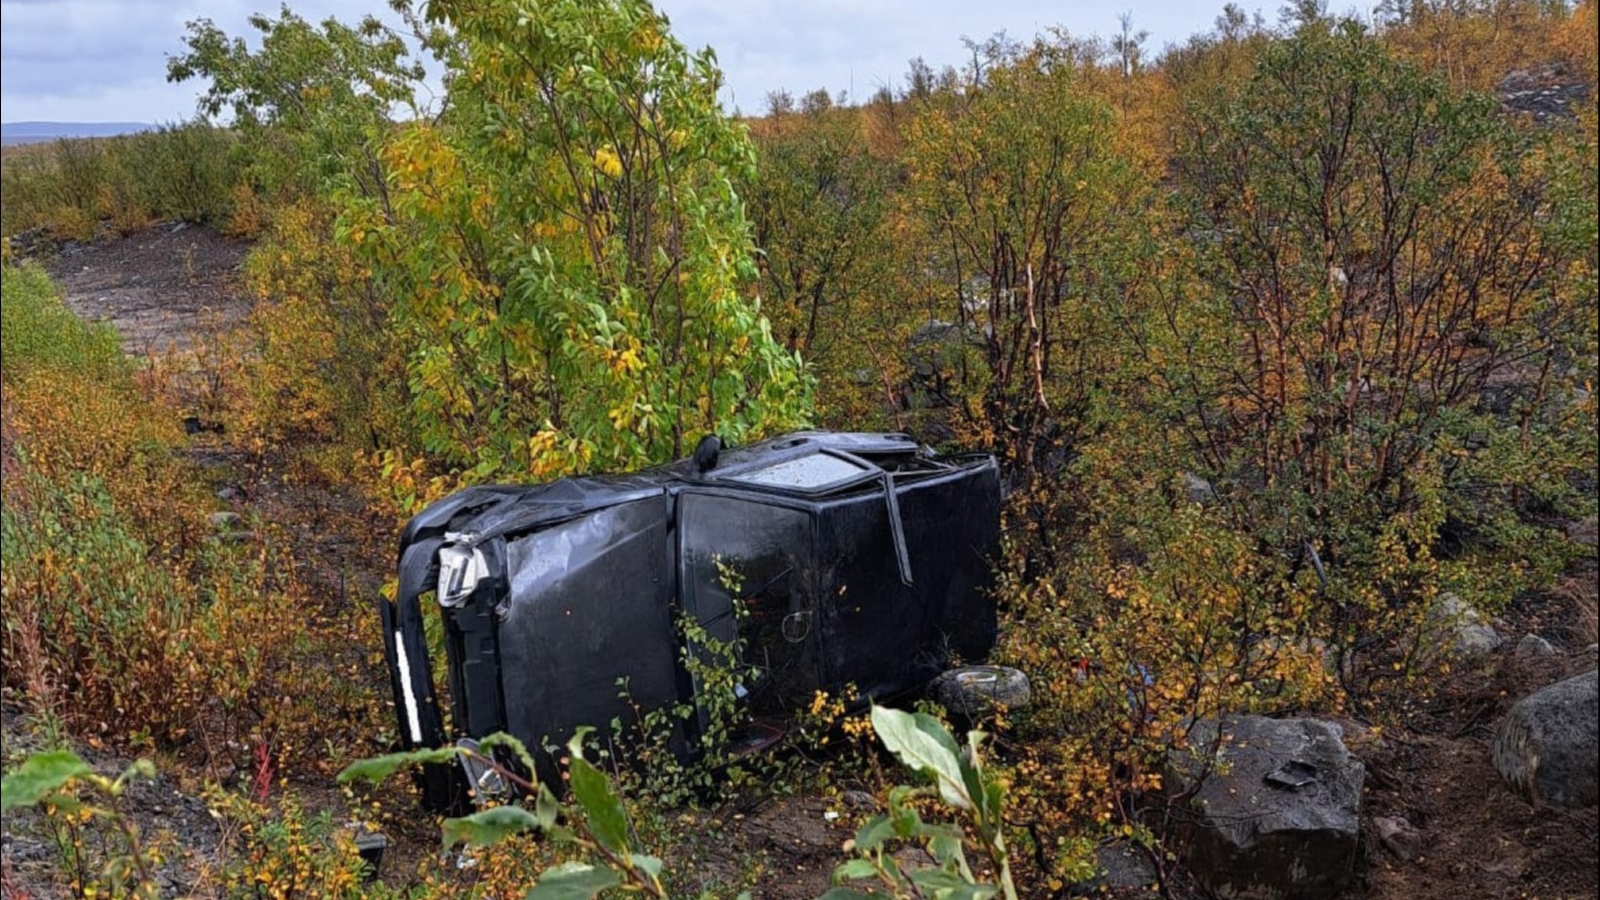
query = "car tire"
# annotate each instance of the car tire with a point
(977, 691)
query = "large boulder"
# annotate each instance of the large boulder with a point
(1278, 813)
(1548, 746)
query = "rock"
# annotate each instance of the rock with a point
(860, 800)
(1583, 533)
(226, 520)
(1198, 489)
(1279, 814)
(1458, 628)
(1125, 871)
(1533, 648)
(1545, 92)
(1548, 745)
(1398, 836)
(1517, 80)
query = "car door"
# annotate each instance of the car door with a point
(747, 581)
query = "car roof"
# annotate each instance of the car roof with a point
(498, 509)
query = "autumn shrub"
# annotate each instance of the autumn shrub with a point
(821, 208)
(1160, 615)
(58, 189)
(1027, 213)
(283, 851)
(87, 613)
(565, 253)
(146, 620)
(1356, 376)
(38, 332)
(1370, 352)
(119, 595)
(323, 364)
(185, 172)
(1474, 44)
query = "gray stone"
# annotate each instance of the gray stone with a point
(1278, 816)
(1533, 648)
(1460, 630)
(1398, 836)
(1123, 870)
(1584, 533)
(1199, 490)
(860, 800)
(1548, 745)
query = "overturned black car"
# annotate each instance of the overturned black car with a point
(861, 560)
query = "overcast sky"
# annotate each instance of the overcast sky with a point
(105, 60)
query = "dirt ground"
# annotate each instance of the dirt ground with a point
(170, 286)
(162, 288)
(1478, 838)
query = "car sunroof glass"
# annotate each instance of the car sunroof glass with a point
(817, 470)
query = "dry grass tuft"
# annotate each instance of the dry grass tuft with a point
(1583, 592)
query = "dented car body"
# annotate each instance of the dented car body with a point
(860, 560)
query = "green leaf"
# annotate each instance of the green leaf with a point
(903, 816)
(140, 770)
(608, 821)
(874, 833)
(922, 745)
(39, 776)
(490, 826)
(949, 885)
(855, 868)
(501, 739)
(572, 881)
(546, 807)
(378, 768)
(944, 843)
(843, 893)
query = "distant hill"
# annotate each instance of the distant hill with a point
(32, 132)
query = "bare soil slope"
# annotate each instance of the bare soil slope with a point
(161, 288)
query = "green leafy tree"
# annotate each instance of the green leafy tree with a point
(307, 99)
(565, 249)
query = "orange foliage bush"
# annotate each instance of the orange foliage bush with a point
(323, 367)
(125, 611)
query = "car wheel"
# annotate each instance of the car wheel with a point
(976, 691)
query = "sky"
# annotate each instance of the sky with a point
(105, 60)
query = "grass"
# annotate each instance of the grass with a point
(39, 332)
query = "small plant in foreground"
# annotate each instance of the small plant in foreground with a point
(597, 826)
(288, 852)
(923, 745)
(58, 781)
